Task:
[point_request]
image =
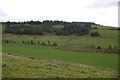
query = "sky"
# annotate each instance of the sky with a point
(104, 12)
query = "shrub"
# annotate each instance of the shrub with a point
(109, 47)
(48, 42)
(38, 42)
(95, 34)
(15, 42)
(31, 58)
(98, 47)
(43, 43)
(4, 65)
(55, 44)
(115, 47)
(31, 42)
(23, 42)
(6, 41)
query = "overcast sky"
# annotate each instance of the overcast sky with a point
(103, 12)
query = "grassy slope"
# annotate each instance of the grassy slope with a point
(109, 37)
(107, 32)
(67, 40)
(46, 52)
(33, 68)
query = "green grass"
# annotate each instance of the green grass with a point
(22, 67)
(67, 40)
(104, 64)
(108, 37)
(108, 32)
(47, 52)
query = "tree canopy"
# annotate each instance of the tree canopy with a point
(46, 27)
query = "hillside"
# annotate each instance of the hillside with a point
(22, 67)
(61, 56)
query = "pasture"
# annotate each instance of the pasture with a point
(99, 60)
(23, 67)
(47, 52)
(66, 40)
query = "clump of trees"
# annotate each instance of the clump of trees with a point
(46, 27)
(24, 29)
(75, 28)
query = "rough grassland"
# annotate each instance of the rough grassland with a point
(34, 68)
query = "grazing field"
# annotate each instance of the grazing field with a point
(107, 32)
(66, 40)
(103, 64)
(22, 67)
(47, 52)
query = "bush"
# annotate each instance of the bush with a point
(98, 47)
(6, 41)
(55, 44)
(95, 34)
(23, 42)
(115, 47)
(109, 47)
(31, 42)
(4, 65)
(31, 58)
(38, 42)
(85, 46)
(43, 43)
(48, 42)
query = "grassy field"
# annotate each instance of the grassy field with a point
(108, 37)
(34, 68)
(108, 62)
(66, 40)
(46, 52)
(107, 32)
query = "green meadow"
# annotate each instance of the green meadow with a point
(24, 67)
(45, 52)
(95, 59)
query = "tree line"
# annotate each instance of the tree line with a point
(46, 27)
